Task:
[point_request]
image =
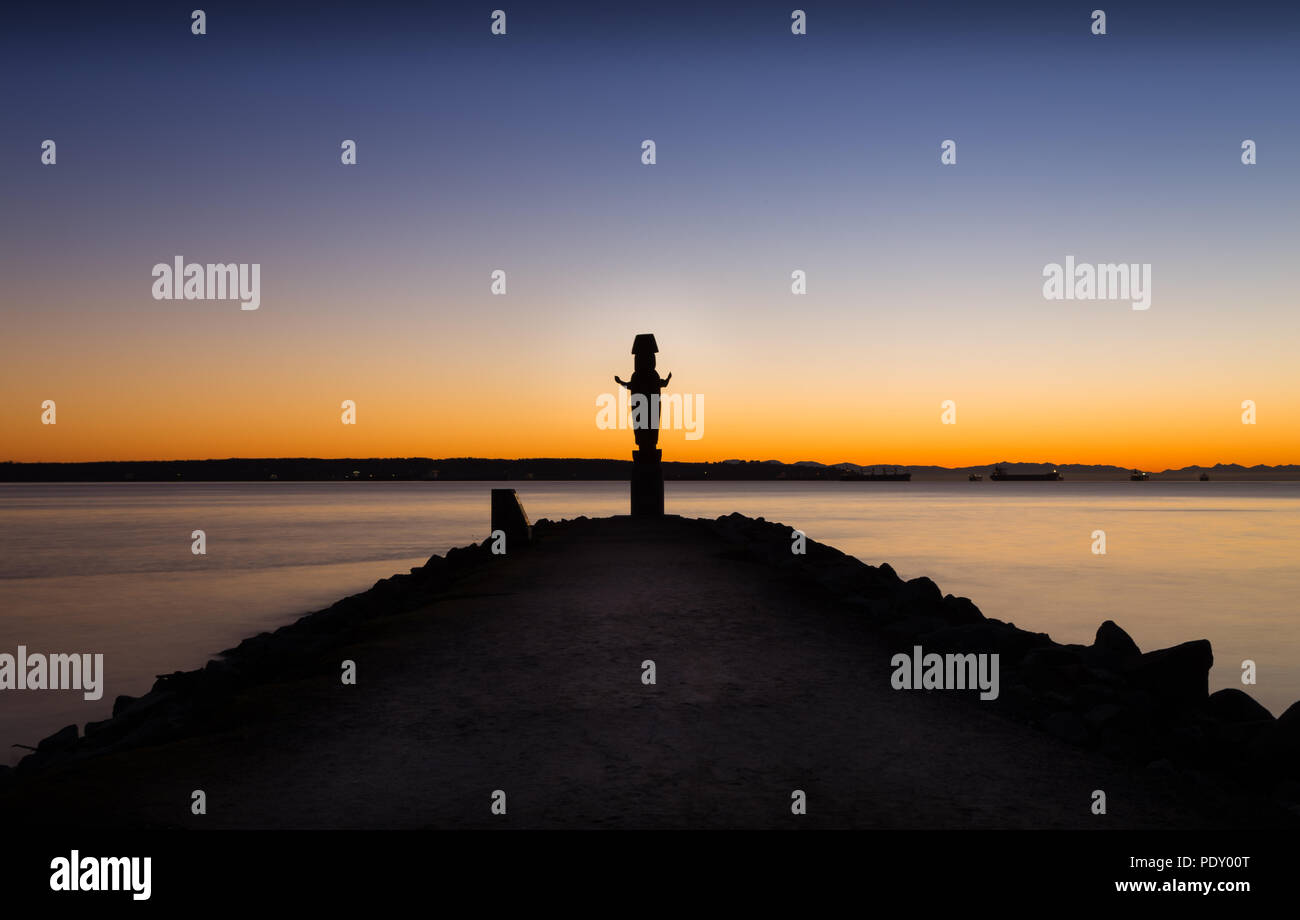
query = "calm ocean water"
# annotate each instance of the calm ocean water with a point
(108, 567)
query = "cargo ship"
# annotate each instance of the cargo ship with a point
(883, 476)
(1001, 475)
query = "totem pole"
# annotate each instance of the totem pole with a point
(647, 468)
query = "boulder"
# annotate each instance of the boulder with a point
(988, 636)
(1236, 706)
(961, 610)
(1179, 675)
(65, 739)
(1277, 747)
(1114, 645)
(985, 636)
(95, 727)
(921, 594)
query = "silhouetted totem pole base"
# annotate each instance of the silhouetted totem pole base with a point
(647, 483)
(509, 517)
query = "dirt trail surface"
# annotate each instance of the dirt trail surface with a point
(526, 677)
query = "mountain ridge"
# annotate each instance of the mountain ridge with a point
(240, 469)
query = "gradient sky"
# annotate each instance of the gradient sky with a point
(775, 153)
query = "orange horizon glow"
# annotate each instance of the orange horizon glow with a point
(519, 377)
(905, 431)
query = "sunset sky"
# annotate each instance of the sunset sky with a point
(775, 152)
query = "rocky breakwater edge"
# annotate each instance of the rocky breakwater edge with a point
(1153, 708)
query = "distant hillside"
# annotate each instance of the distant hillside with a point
(308, 469)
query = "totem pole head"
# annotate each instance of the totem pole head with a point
(644, 348)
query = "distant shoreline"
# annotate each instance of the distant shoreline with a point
(417, 469)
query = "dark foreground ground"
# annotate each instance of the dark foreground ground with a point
(523, 673)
